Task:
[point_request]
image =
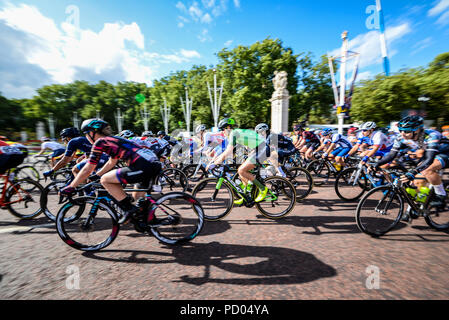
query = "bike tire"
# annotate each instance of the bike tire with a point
(320, 172)
(205, 191)
(190, 169)
(439, 219)
(190, 220)
(280, 190)
(342, 181)
(26, 190)
(377, 226)
(302, 180)
(72, 232)
(51, 192)
(172, 180)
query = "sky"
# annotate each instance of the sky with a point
(47, 42)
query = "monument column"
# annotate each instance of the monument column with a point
(279, 103)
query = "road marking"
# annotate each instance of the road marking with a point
(25, 229)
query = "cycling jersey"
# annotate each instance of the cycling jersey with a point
(377, 138)
(80, 143)
(212, 140)
(341, 141)
(10, 156)
(283, 145)
(52, 145)
(246, 137)
(6, 149)
(120, 148)
(310, 137)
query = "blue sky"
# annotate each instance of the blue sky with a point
(48, 41)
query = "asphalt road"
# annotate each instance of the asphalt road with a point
(317, 252)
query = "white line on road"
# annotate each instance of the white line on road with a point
(25, 229)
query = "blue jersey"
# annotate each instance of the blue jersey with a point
(341, 141)
(431, 140)
(80, 143)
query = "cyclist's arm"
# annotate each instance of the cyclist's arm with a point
(85, 172)
(62, 163)
(354, 149)
(222, 157)
(373, 151)
(108, 166)
(388, 158)
(329, 150)
(428, 158)
(43, 149)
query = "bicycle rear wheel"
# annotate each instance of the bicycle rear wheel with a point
(50, 198)
(439, 218)
(217, 200)
(27, 172)
(302, 181)
(22, 199)
(187, 214)
(280, 200)
(379, 211)
(172, 180)
(95, 228)
(194, 174)
(347, 188)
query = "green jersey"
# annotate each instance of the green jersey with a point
(246, 137)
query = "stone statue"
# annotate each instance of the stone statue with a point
(280, 81)
(279, 103)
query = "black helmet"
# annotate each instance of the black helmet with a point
(93, 125)
(298, 127)
(161, 133)
(226, 122)
(69, 133)
(411, 123)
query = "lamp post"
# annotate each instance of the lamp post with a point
(213, 100)
(187, 109)
(51, 125)
(165, 112)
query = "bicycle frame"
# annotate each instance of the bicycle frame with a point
(7, 185)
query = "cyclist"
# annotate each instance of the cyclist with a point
(352, 135)
(343, 147)
(281, 146)
(376, 140)
(11, 156)
(260, 153)
(164, 136)
(71, 136)
(436, 157)
(143, 166)
(306, 141)
(57, 148)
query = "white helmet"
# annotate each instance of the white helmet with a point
(147, 134)
(368, 126)
(200, 128)
(126, 134)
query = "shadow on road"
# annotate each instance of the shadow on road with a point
(253, 265)
(331, 205)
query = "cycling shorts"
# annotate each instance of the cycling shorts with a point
(313, 145)
(283, 154)
(9, 161)
(340, 152)
(141, 172)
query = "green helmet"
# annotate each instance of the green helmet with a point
(226, 122)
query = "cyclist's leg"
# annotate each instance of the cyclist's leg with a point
(432, 175)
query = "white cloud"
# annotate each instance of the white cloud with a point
(441, 6)
(228, 43)
(206, 18)
(208, 3)
(37, 52)
(237, 3)
(444, 19)
(181, 6)
(204, 36)
(368, 45)
(195, 12)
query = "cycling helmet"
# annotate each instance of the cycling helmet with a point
(69, 133)
(226, 122)
(326, 132)
(262, 127)
(161, 133)
(147, 134)
(369, 126)
(411, 123)
(200, 128)
(127, 134)
(352, 130)
(45, 139)
(298, 127)
(93, 125)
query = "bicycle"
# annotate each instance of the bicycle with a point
(381, 209)
(321, 170)
(96, 226)
(20, 197)
(217, 195)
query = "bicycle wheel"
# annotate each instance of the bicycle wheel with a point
(172, 180)
(347, 188)
(379, 211)
(188, 218)
(217, 200)
(302, 181)
(50, 198)
(95, 228)
(190, 172)
(22, 199)
(320, 172)
(42, 165)
(27, 172)
(439, 218)
(280, 200)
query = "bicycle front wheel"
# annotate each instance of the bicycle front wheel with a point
(280, 200)
(22, 199)
(50, 198)
(302, 181)
(320, 172)
(216, 199)
(439, 218)
(95, 228)
(347, 188)
(172, 180)
(379, 211)
(187, 215)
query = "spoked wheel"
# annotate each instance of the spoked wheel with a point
(216, 199)
(22, 199)
(27, 172)
(50, 197)
(280, 200)
(181, 217)
(379, 211)
(320, 172)
(172, 180)
(302, 181)
(94, 228)
(347, 188)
